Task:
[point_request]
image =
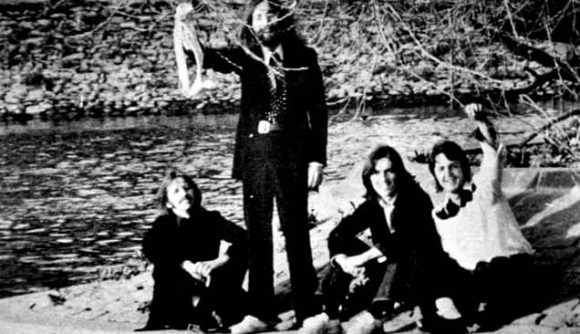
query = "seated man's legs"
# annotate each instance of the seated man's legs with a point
(503, 286)
(345, 295)
(172, 298)
(225, 295)
(334, 288)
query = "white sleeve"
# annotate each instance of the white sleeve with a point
(488, 179)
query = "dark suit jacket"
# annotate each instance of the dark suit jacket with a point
(414, 238)
(305, 135)
(173, 240)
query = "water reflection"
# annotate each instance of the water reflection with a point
(115, 123)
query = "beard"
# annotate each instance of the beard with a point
(270, 37)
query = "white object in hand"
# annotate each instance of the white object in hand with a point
(185, 37)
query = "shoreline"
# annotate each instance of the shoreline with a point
(119, 305)
(179, 107)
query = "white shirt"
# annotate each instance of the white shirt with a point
(485, 227)
(268, 53)
(388, 206)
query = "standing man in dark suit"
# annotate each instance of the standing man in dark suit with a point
(280, 153)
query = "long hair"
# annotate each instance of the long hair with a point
(286, 24)
(453, 152)
(171, 175)
(404, 179)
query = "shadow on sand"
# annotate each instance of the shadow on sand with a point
(547, 205)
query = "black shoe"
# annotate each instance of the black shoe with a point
(438, 325)
(382, 309)
(209, 323)
(215, 325)
(387, 309)
(488, 323)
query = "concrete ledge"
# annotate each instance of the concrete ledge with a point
(540, 179)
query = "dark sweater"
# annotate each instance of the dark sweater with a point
(173, 239)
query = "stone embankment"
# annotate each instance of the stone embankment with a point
(94, 58)
(70, 59)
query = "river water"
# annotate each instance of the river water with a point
(76, 197)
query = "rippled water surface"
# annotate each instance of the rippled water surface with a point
(76, 197)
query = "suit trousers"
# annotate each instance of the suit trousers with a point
(385, 284)
(269, 175)
(342, 299)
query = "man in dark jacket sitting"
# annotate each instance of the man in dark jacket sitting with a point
(392, 269)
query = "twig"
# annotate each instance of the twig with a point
(346, 101)
(432, 57)
(322, 19)
(529, 52)
(546, 126)
(510, 18)
(539, 81)
(381, 32)
(98, 27)
(442, 91)
(565, 64)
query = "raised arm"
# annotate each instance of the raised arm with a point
(486, 131)
(186, 42)
(491, 167)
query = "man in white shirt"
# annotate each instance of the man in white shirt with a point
(489, 254)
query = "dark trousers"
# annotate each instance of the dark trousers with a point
(496, 291)
(266, 177)
(345, 295)
(385, 283)
(174, 289)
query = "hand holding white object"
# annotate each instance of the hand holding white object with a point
(185, 38)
